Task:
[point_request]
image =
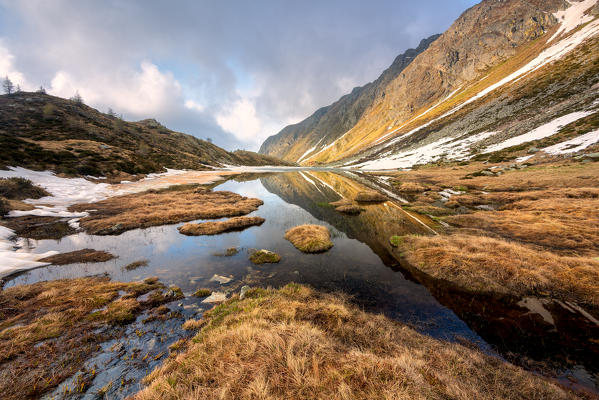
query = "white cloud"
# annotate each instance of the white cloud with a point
(194, 105)
(240, 119)
(143, 92)
(7, 68)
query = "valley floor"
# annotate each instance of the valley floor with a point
(514, 233)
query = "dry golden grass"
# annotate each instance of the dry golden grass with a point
(563, 225)
(193, 324)
(79, 256)
(426, 209)
(484, 264)
(543, 176)
(310, 238)
(169, 206)
(370, 197)
(411, 187)
(293, 343)
(216, 227)
(47, 329)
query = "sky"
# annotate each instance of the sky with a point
(232, 71)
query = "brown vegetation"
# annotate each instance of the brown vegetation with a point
(310, 238)
(351, 209)
(168, 206)
(48, 329)
(135, 265)
(370, 197)
(216, 227)
(293, 343)
(411, 187)
(484, 264)
(538, 236)
(39, 228)
(79, 256)
(20, 189)
(264, 256)
(13, 190)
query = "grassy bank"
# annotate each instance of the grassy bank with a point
(296, 343)
(531, 231)
(49, 329)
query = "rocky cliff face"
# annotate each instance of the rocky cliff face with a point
(329, 123)
(485, 45)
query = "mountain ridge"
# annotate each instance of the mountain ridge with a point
(462, 70)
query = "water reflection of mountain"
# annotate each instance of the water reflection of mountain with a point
(312, 191)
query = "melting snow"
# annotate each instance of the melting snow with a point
(447, 147)
(64, 192)
(543, 131)
(573, 145)
(573, 16)
(12, 260)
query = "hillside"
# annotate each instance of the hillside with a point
(39, 131)
(296, 142)
(503, 70)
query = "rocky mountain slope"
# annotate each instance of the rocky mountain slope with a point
(504, 74)
(329, 123)
(39, 131)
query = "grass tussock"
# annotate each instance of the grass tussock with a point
(152, 208)
(370, 197)
(48, 329)
(79, 256)
(214, 228)
(264, 256)
(484, 264)
(294, 343)
(193, 324)
(411, 187)
(20, 189)
(202, 292)
(310, 238)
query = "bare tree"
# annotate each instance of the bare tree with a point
(111, 112)
(41, 90)
(77, 98)
(8, 85)
(18, 89)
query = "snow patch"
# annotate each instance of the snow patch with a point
(448, 147)
(12, 259)
(573, 145)
(543, 131)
